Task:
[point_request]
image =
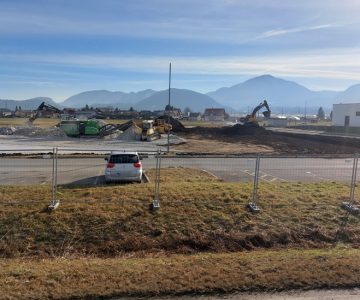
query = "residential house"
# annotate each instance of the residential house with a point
(176, 113)
(195, 116)
(214, 115)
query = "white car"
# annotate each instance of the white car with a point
(123, 166)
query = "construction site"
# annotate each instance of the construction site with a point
(151, 134)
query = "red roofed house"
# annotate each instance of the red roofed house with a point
(214, 115)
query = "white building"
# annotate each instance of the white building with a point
(277, 122)
(346, 114)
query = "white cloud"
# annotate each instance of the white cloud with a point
(332, 64)
(277, 32)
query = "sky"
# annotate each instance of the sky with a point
(62, 47)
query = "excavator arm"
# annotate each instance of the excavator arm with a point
(251, 119)
(266, 113)
(43, 107)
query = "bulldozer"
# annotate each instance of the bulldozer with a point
(250, 120)
(162, 126)
(149, 131)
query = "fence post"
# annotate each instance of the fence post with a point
(156, 201)
(252, 206)
(54, 203)
(350, 206)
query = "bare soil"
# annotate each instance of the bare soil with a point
(242, 139)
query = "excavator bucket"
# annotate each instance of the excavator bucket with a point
(266, 114)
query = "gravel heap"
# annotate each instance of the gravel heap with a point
(39, 132)
(7, 130)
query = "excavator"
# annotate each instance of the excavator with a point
(70, 125)
(250, 120)
(43, 107)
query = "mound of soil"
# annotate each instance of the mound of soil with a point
(281, 142)
(177, 126)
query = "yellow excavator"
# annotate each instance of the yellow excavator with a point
(250, 120)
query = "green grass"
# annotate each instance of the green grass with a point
(198, 213)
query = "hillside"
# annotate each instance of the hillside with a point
(104, 98)
(352, 94)
(180, 98)
(278, 92)
(32, 103)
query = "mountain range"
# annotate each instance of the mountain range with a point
(280, 94)
(32, 103)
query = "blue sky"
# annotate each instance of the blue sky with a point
(61, 47)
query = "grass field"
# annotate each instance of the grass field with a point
(42, 122)
(94, 278)
(105, 241)
(198, 213)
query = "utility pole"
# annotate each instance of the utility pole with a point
(305, 112)
(168, 141)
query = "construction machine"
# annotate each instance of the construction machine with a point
(69, 124)
(149, 131)
(162, 126)
(43, 107)
(250, 120)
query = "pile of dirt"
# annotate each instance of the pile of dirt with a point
(131, 132)
(39, 132)
(177, 126)
(239, 129)
(282, 143)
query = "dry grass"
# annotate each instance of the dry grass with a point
(42, 122)
(178, 274)
(198, 213)
(201, 123)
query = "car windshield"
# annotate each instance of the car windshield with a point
(124, 159)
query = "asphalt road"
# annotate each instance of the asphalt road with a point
(335, 294)
(89, 171)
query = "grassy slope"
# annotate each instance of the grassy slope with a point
(198, 213)
(174, 274)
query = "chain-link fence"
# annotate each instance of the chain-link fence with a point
(183, 202)
(64, 168)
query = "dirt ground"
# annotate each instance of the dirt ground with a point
(197, 143)
(240, 139)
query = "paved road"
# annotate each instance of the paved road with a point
(341, 294)
(91, 170)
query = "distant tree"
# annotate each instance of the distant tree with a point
(321, 113)
(20, 108)
(87, 107)
(116, 110)
(187, 111)
(169, 107)
(16, 108)
(331, 115)
(131, 109)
